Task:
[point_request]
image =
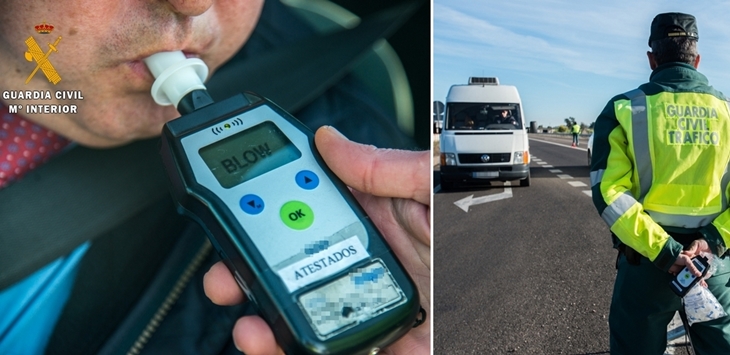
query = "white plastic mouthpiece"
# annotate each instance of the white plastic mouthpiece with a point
(175, 76)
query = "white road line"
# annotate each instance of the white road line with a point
(539, 162)
(675, 330)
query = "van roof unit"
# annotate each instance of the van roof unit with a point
(478, 80)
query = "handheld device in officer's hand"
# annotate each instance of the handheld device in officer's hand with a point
(290, 232)
(685, 280)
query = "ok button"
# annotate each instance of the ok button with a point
(296, 215)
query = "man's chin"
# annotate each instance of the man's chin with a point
(115, 139)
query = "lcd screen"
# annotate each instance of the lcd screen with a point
(248, 154)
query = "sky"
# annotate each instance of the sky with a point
(566, 58)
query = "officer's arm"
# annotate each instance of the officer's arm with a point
(611, 172)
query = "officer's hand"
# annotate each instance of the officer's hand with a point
(682, 261)
(698, 246)
(393, 186)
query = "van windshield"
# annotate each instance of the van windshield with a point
(481, 116)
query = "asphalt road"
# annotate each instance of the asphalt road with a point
(530, 272)
(527, 274)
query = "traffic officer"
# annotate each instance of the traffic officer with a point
(575, 129)
(659, 178)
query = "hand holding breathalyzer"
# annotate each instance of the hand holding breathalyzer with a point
(394, 188)
(684, 259)
(292, 235)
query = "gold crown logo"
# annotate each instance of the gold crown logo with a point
(44, 28)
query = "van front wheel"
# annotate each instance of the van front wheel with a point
(447, 185)
(525, 181)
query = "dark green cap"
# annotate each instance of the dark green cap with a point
(673, 24)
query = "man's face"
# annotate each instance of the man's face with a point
(505, 113)
(100, 54)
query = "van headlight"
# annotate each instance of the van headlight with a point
(448, 159)
(521, 158)
(518, 158)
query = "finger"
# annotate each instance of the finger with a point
(691, 267)
(398, 217)
(415, 219)
(380, 172)
(221, 287)
(253, 336)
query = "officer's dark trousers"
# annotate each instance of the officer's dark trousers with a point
(643, 305)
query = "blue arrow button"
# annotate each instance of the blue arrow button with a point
(251, 204)
(307, 180)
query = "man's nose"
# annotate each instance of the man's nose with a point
(191, 7)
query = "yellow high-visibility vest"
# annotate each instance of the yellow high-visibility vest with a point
(676, 147)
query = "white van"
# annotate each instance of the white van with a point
(484, 135)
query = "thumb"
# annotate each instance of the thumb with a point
(379, 172)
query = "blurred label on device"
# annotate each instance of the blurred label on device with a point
(325, 263)
(351, 299)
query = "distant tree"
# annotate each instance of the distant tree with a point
(593, 125)
(569, 121)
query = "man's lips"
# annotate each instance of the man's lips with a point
(140, 70)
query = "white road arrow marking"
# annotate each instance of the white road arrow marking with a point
(464, 203)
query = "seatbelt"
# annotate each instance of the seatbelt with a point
(74, 199)
(295, 75)
(88, 191)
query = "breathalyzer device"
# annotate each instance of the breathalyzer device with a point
(295, 239)
(685, 280)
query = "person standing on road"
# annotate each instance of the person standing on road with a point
(659, 177)
(575, 129)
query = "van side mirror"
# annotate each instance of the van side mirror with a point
(438, 116)
(438, 110)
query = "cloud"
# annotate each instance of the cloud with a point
(557, 49)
